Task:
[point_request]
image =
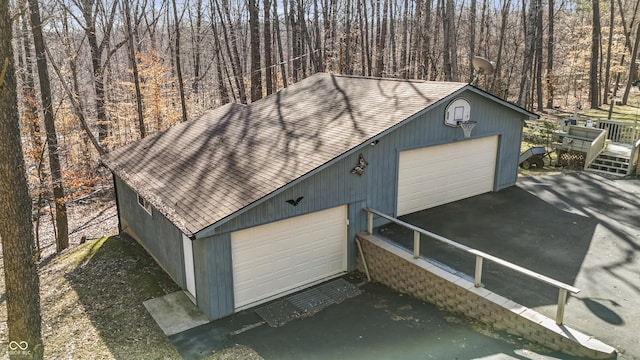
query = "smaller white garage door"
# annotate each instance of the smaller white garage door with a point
(437, 175)
(273, 259)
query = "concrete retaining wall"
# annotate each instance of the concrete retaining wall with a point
(395, 267)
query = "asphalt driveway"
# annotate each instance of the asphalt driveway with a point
(579, 228)
(377, 324)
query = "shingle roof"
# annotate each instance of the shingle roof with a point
(199, 172)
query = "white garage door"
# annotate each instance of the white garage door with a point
(436, 175)
(273, 259)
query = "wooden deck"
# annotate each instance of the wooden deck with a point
(618, 149)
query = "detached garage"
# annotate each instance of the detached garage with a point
(274, 259)
(252, 202)
(436, 175)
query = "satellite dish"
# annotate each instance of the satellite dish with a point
(482, 66)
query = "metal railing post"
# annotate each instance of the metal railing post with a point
(478, 275)
(564, 289)
(562, 300)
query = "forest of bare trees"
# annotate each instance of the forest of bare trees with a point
(94, 75)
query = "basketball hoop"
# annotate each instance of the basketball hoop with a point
(467, 126)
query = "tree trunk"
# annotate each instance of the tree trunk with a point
(363, 40)
(295, 43)
(318, 35)
(366, 48)
(633, 67)
(419, 64)
(29, 103)
(197, 43)
(88, 10)
(236, 65)
(268, 51)
(529, 32)
(134, 68)
(594, 91)
(607, 78)
(447, 40)
(276, 22)
(392, 39)
(472, 37)
(430, 44)
(62, 238)
(539, 32)
(305, 40)
(503, 29)
(16, 232)
(345, 68)
(453, 43)
(404, 73)
(183, 101)
(382, 40)
(628, 47)
(550, 43)
(254, 31)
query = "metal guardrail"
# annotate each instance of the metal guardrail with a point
(563, 289)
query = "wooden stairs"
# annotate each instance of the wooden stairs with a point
(611, 163)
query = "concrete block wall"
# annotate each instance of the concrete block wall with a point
(395, 267)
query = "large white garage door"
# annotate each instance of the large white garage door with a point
(436, 175)
(273, 259)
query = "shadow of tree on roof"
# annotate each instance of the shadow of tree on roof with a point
(202, 171)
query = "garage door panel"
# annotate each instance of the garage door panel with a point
(274, 258)
(433, 176)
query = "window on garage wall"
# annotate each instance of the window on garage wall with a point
(144, 204)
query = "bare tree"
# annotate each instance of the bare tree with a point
(254, 30)
(268, 48)
(176, 24)
(62, 235)
(232, 48)
(538, 52)
(550, 48)
(382, 40)
(472, 36)
(134, 68)
(594, 92)
(90, 10)
(530, 39)
(276, 22)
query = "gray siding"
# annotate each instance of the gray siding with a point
(214, 286)
(154, 232)
(336, 185)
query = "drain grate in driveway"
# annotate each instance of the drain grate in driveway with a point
(308, 302)
(278, 313)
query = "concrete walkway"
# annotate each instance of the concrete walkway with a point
(578, 228)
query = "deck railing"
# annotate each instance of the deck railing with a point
(622, 132)
(597, 146)
(563, 289)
